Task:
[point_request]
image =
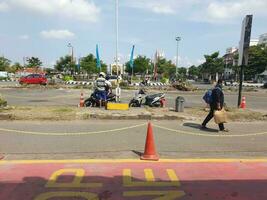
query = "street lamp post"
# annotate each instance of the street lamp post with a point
(71, 54)
(178, 39)
(117, 36)
(71, 51)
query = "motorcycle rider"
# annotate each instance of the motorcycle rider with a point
(101, 84)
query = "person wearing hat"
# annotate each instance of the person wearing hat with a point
(100, 88)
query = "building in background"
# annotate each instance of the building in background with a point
(263, 39)
(254, 42)
(230, 60)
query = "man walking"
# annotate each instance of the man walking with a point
(217, 103)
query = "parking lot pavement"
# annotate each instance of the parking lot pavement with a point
(70, 97)
(124, 139)
(199, 179)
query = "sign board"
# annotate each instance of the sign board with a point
(245, 40)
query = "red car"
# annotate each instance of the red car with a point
(33, 79)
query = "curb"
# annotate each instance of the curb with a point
(78, 83)
(133, 117)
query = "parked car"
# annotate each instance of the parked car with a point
(33, 79)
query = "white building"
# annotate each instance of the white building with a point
(231, 50)
(230, 61)
(263, 39)
(254, 42)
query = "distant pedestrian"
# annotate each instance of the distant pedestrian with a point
(216, 103)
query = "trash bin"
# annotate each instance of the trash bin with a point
(179, 104)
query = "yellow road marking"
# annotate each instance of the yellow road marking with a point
(150, 179)
(70, 134)
(85, 161)
(164, 195)
(209, 135)
(76, 183)
(149, 175)
(84, 195)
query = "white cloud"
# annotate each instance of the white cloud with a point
(57, 34)
(81, 10)
(211, 11)
(24, 37)
(4, 7)
(229, 11)
(155, 6)
(187, 62)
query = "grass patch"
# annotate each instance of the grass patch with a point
(63, 110)
(233, 114)
(3, 102)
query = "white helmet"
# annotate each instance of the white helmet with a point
(102, 74)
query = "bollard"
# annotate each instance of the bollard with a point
(179, 104)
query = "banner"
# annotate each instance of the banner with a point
(98, 63)
(132, 58)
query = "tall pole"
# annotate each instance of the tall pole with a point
(117, 36)
(178, 39)
(71, 53)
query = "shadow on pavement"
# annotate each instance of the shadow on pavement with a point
(34, 188)
(199, 127)
(137, 152)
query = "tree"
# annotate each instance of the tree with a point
(182, 71)
(193, 72)
(213, 64)
(88, 64)
(4, 63)
(15, 67)
(141, 65)
(34, 62)
(257, 62)
(64, 64)
(166, 68)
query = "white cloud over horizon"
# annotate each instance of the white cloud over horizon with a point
(210, 11)
(80, 10)
(4, 7)
(57, 34)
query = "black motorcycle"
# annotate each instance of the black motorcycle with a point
(93, 100)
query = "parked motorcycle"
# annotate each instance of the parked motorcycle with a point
(154, 100)
(93, 100)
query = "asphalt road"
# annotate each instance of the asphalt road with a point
(126, 139)
(41, 96)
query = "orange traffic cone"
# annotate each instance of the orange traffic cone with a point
(243, 103)
(81, 100)
(150, 150)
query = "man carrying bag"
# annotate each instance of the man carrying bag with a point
(216, 107)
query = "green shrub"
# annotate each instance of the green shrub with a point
(67, 78)
(3, 102)
(164, 80)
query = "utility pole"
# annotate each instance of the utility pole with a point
(178, 39)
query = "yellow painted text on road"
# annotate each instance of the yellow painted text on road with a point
(150, 179)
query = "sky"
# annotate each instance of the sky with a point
(43, 28)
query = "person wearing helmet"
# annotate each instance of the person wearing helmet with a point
(100, 87)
